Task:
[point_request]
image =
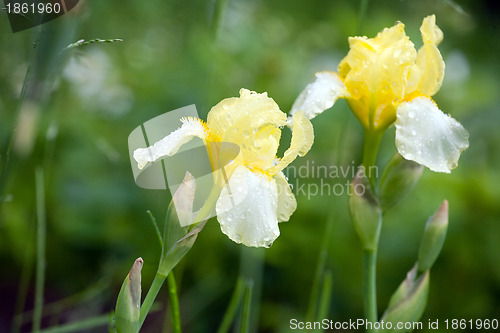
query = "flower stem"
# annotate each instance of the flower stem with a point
(370, 285)
(247, 303)
(174, 303)
(362, 16)
(371, 144)
(40, 247)
(232, 308)
(151, 296)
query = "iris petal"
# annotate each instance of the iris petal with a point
(170, 144)
(429, 59)
(426, 135)
(302, 140)
(246, 208)
(319, 95)
(286, 200)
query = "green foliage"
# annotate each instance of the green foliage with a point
(169, 58)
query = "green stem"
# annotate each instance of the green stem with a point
(370, 285)
(314, 300)
(6, 159)
(217, 18)
(324, 302)
(40, 249)
(174, 303)
(247, 303)
(151, 296)
(362, 16)
(371, 144)
(232, 308)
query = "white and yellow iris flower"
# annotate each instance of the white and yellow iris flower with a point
(255, 194)
(386, 81)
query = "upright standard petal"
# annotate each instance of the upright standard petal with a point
(170, 144)
(252, 121)
(302, 140)
(319, 95)
(246, 209)
(429, 59)
(426, 135)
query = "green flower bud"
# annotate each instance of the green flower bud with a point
(365, 210)
(407, 304)
(399, 178)
(128, 304)
(177, 241)
(433, 239)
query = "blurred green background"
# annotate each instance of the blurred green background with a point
(81, 104)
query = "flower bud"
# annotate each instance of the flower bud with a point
(433, 239)
(365, 210)
(398, 179)
(408, 302)
(177, 241)
(128, 304)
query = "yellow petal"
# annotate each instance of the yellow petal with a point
(286, 200)
(429, 59)
(302, 140)
(375, 72)
(252, 122)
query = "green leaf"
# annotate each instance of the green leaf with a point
(178, 250)
(399, 178)
(407, 304)
(128, 304)
(433, 239)
(365, 210)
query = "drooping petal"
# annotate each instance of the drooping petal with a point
(319, 95)
(286, 200)
(302, 140)
(170, 144)
(426, 135)
(429, 59)
(246, 208)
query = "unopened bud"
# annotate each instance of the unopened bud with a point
(399, 178)
(128, 304)
(433, 239)
(365, 211)
(407, 304)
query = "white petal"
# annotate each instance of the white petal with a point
(170, 144)
(246, 208)
(426, 135)
(286, 200)
(319, 95)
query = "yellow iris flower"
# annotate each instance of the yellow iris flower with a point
(254, 194)
(386, 81)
